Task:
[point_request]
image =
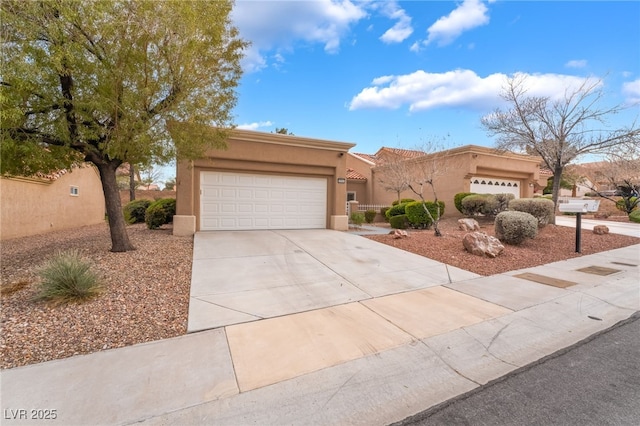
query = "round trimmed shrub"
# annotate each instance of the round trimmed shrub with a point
(457, 199)
(134, 211)
(370, 215)
(402, 201)
(418, 217)
(357, 218)
(160, 212)
(396, 210)
(540, 208)
(514, 227)
(479, 204)
(634, 216)
(383, 212)
(399, 221)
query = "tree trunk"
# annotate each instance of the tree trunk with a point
(117, 226)
(132, 183)
(555, 192)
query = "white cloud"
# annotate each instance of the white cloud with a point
(280, 24)
(460, 88)
(254, 125)
(576, 63)
(631, 90)
(468, 15)
(401, 29)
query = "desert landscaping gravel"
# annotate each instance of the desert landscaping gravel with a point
(146, 293)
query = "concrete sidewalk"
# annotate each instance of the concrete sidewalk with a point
(623, 228)
(373, 360)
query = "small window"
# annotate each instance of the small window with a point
(351, 196)
(73, 191)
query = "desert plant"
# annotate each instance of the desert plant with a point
(357, 218)
(513, 227)
(418, 216)
(457, 200)
(396, 210)
(399, 221)
(634, 216)
(370, 215)
(134, 211)
(541, 208)
(66, 277)
(479, 204)
(402, 201)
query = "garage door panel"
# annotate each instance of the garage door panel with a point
(245, 201)
(486, 185)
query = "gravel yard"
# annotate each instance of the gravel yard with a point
(147, 290)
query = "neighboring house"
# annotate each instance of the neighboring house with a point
(264, 181)
(62, 200)
(465, 169)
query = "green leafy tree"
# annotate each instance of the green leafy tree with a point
(104, 81)
(559, 130)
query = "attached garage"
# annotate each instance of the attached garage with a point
(264, 181)
(244, 201)
(488, 185)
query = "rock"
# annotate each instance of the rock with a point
(481, 244)
(468, 225)
(600, 229)
(399, 233)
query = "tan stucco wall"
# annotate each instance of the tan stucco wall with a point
(363, 189)
(456, 167)
(34, 206)
(269, 153)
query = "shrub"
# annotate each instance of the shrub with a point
(513, 227)
(383, 212)
(484, 204)
(134, 211)
(66, 277)
(357, 218)
(503, 202)
(160, 212)
(396, 210)
(370, 215)
(399, 221)
(457, 199)
(624, 205)
(540, 208)
(634, 216)
(418, 217)
(402, 201)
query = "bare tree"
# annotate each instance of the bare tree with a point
(394, 176)
(558, 130)
(621, 171)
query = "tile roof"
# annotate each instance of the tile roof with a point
(352, 174)
(369, 157)
(407, 153)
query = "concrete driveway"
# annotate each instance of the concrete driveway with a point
(243, 276)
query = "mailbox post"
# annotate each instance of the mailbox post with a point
(578, 207)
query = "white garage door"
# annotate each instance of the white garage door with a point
(235, 201)
(485, 185)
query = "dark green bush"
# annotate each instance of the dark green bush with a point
(624, 205)
(514, 227)
(634, 216)
(479, 204)
(418, 217)
(66, 277)
(383, 212)
(540, 208)
(160, 212)
(134, 211)
(370, 215)
(396, 210)
(402, 201)
(399, 221)
(457, 199)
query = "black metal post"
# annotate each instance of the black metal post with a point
(578, 231)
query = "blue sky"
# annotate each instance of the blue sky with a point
(404, 73)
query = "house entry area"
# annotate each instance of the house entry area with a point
(248, 201)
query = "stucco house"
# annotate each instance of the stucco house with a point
(63, 200)
(264, 181)
(468, 168)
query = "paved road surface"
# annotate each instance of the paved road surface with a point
(595, 382)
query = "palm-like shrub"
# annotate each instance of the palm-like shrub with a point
(66, 277)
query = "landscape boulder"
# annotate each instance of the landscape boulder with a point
(399, 233)
(600, 229)
(468, 224)
(481, 244)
